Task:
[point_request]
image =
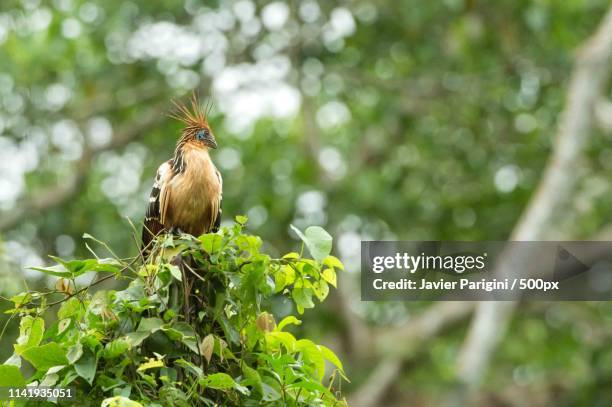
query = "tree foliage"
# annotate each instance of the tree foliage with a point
(423, 120)
(192, 326)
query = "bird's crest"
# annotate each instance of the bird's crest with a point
(193, 114)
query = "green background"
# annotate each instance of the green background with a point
(378, 120)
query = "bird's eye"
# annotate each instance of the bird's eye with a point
(201, 134)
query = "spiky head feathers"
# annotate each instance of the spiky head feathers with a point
(194, 116)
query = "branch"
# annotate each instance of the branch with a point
(603, 114)
(69, 296)
(427, 325)
(588, 79)
(375, 388)
(356, 335)
(50, 197)
(398, 344)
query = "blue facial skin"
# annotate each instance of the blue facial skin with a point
(201, 134)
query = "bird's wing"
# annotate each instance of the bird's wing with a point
(158, 204)
(218, 209)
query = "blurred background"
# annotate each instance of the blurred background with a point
(376, 119)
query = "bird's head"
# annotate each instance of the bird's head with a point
(197, 131)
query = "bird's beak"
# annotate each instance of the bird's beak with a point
(210, 141)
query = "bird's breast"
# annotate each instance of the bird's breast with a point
(194, 194)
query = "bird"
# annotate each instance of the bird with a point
(187, 191)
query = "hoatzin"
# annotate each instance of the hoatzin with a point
(186, 195)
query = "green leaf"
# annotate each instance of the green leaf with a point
(283, 277)
(307, 268)
(109, 265)
(231, 333)
(271, 389)
(58, 270)
(289, 274)
(241, 219)
(71, 308)
(211, 242)
(331, 356)
(21, 299)
(183, 332)
(311, 386)
(119, 401)
(31, 332)
(280, 281)
(317, 240)
(193, 369)
(329, 275)
(136, 338)
(191, 343)
(116, 348)
(275, 339)
(175, 271)
(74, 353)
(251, 378)
(219, 381)
(249, 243)
(152, 363)
(150, 325)
(10, 376)
(303, 297)
(321, 289)
(75, 268)
(333, 262)
(289, 320)
(313, 355)
(45, 356)
(91, 340)
(86, 366)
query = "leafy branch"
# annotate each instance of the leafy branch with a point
(195, 326)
